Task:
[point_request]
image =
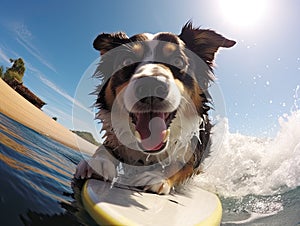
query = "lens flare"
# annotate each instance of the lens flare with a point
(243, 13)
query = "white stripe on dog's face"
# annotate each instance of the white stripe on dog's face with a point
(150, 69)
(150, 54)
(154, 52)
(171, 99)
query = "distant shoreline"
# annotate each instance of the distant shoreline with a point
(18, 108)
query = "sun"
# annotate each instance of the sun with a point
(243, 12)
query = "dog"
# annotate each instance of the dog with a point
(153, 104)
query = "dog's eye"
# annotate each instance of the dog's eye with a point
(127, 61)
(178, 62)
(123, 61)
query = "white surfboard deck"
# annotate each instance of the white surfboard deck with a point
(119, 206)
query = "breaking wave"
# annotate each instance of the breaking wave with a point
(244, 165)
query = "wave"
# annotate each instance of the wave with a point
(241, 165)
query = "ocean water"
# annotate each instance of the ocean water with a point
(36, 179)
(258, 180)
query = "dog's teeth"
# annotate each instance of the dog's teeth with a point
(167, 133)
(138, 136)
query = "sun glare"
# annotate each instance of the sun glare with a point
(243, 12)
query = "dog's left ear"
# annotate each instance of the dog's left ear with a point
(204, 42)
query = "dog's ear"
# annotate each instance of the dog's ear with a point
(203, 42)
(105, 42)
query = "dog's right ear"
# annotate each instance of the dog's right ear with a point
(105, 42)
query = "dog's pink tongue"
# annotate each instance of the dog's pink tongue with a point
(151, 127)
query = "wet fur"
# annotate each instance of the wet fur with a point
(187, 149)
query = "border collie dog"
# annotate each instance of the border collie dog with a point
(153, 104)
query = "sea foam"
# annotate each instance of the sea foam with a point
(242, 165)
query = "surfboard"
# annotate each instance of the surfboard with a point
(113, 205)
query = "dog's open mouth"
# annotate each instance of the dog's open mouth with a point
(152, 130)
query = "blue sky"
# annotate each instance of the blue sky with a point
(258, 77)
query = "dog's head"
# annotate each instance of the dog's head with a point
(156, 85)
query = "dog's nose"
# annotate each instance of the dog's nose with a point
(151, 87)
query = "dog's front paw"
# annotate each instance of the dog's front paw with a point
(154, 182)
(96, 166)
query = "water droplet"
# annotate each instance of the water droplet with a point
(147, 158)
(164, 162)
(114, 180)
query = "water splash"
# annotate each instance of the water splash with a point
(296, 99)
(249, 165)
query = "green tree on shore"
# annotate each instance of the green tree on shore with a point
(16, 71)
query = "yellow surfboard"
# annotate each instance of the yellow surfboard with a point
(109, 205)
